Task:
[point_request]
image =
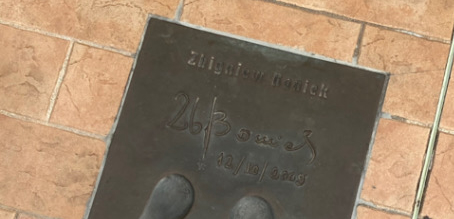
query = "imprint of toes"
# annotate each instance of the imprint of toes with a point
(172, 198)
(251, 207)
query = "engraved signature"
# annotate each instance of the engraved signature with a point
(218, 118)
(218, 125)
(244, 135)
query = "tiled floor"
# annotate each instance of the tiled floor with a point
(64, 66)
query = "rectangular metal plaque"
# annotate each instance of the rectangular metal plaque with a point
(217, 127)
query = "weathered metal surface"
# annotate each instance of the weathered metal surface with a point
(216, 127)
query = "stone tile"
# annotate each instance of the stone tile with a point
(276, 24)
(429, 17)
(447, 119)
(91, 92)
(439, 198)
(395, 165)
(29, 68)
(367, 213)
(416, 66)
(6, 214)
(117, 23)
(45, 170)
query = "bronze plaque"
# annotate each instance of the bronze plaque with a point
(218, 127)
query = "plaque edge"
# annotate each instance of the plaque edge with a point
(378, 117)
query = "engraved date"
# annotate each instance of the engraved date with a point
(244, 166)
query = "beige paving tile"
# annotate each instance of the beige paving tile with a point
(117, 23)
(416, 66)
(29, 68)
(276, 24)
(92, 89)
(367, 213)
(439, 198)
(45, 170)
(4, 214)
(395, 165)
(430, 17)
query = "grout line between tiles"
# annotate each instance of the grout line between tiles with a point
(357, 51)
(61, 76)
(107, 48)
(345, 18)
(368, 157)
(18, 211)
(63, 37)
(179, 11)
(48, 124)
(405, 120)
(433, 134)
(446, 131)
(382, 208)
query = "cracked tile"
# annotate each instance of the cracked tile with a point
(276, 24)
(430, 17)
(29, 68)
(394, 168)
(45, 170)
(439, 198)
(118, 23)
(367, 213)
(91, 92)
(416, 66)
